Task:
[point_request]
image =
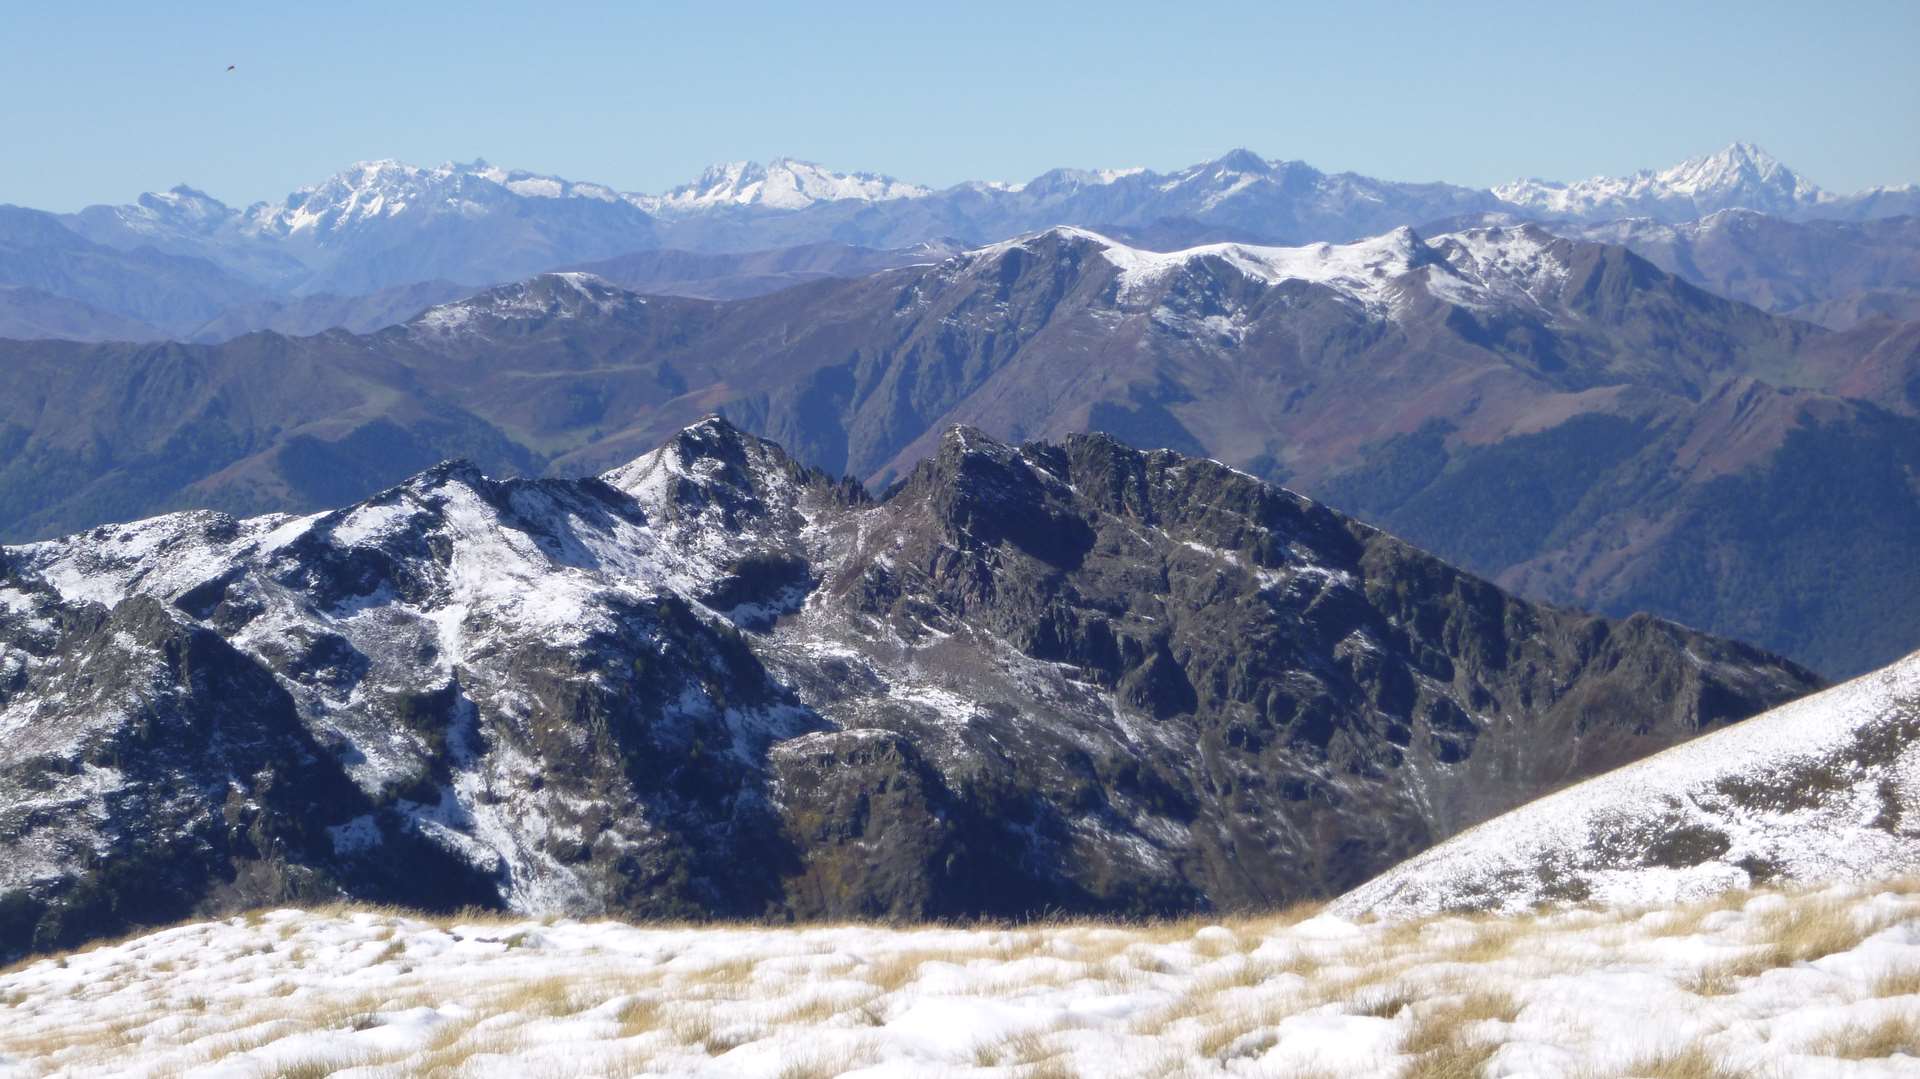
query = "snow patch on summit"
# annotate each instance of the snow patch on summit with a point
(564, 295)
(782, 184)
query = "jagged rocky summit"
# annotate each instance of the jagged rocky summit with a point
(715, 683)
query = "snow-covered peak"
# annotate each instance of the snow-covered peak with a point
(713, 467)
(1067, 181)
(186, 204)
(1368, 271)
(371, 190)
(1740, 164)
(1742, 175)
(177, 210)
(782, 184)
(546, 297)
(1523, 264)
(1241, 160)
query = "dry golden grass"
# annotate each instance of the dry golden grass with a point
(1489, 941)
(1459, 1058)
(1442, 1040)
(1049, 1069)
(1872, 1041)
(1027, 1049)
(543, 998)
(729, 972)
(638, 1016)
(1686, 920)
(1690, 1063)
(1250, 1029)
(1903, 982)
(1720, 979)
(891, 972)
(815, 1069)
(1812, 928)
(1242, 975)
(698, 1030)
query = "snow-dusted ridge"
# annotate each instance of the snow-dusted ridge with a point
(1741, 176)
(714, 682)
(1825, 789)
(781, 184)
(1480, 268)
(564, 295)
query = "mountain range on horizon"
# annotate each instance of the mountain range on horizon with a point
(1559, 415)
(346, 232)
(1739, 176)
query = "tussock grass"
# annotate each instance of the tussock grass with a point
(1872, 1041)
(1812, 928)
(1026, 1049)
(1903, 982)
(639, 1015)
(1454, 1058)
(1488, 942)
(1692, 1062)
(1686, 920)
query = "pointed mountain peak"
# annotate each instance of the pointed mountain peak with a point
(1241, 159)
(713, 466)
(1738, 176)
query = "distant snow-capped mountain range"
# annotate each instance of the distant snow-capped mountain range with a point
(1740, 176)
(1273, 199)
(183, 264)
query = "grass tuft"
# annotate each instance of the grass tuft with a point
(1895, 1034)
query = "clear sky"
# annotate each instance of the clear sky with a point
(102, 100)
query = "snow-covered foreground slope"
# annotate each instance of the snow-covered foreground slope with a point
(1805, 984)
(1826, 788)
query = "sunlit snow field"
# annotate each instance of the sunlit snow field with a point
(1815, 983)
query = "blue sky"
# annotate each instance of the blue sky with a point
(99, 101)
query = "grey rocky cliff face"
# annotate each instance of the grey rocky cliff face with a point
(715, 683)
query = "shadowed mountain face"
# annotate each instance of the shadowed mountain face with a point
(1561, 416)
(713, 682)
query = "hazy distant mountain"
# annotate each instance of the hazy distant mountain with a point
(300, 316)
(383, 225)
(168, 292)
(29, 313)
(735, 275)
(1831, 272)
(1641, 444)
(782, 184)
(1740, 177)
